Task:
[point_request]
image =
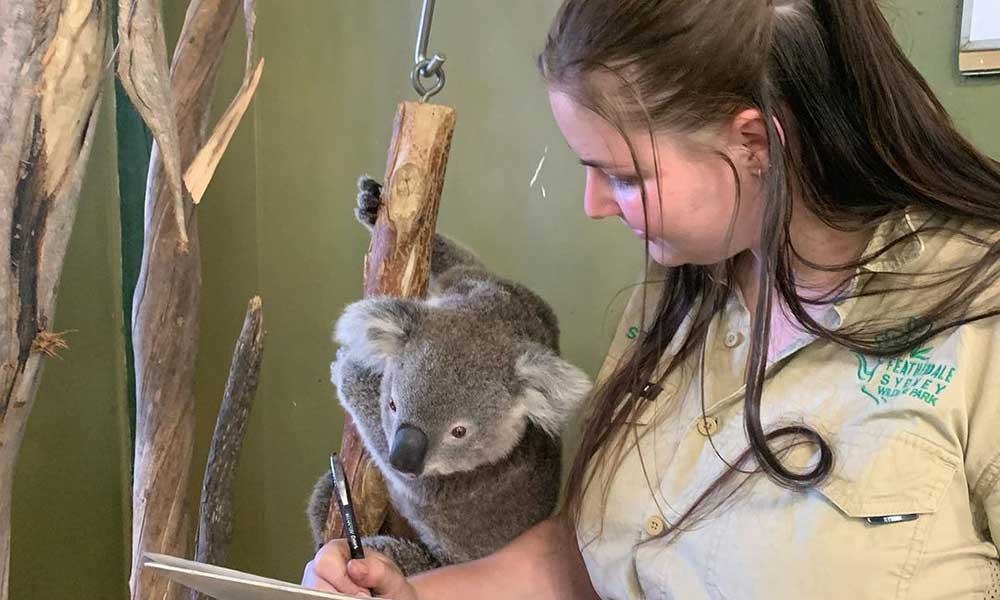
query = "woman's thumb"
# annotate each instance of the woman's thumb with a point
(378, 576)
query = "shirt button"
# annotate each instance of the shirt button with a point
(733, 339)
(708, 426)
(655, 525)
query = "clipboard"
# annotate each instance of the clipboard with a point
(230, 584)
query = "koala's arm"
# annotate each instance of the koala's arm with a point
(358, 389)
(410, 556)
(319, 507)
(359, 392)
(446, 253)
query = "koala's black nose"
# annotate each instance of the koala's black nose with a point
(409, 448)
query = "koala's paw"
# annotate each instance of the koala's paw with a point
(369, 201)
(319, 507)
(411, 557)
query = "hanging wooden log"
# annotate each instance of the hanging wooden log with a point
(167, 295)
(52, 54)
(398, 264)
(216, 526)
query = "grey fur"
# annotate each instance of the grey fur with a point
(481, 352)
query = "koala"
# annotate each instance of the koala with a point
(460, 398)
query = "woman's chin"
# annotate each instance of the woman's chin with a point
(665, 255)
(668, 256)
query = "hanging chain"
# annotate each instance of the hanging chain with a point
(426, 68)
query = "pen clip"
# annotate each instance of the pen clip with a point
(889, 519)
(339, 480)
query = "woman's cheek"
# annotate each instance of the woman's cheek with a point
(631, 204)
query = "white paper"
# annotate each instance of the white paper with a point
(985, 21)
(230, 584)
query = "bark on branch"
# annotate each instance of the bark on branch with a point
(52, 56)
(216, 526)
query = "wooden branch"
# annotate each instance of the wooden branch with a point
(216, 526)
(398, 264)
(51, 60)
(200, 172)
(142, 70)
(166, 309)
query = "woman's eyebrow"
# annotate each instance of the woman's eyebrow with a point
(602, 165)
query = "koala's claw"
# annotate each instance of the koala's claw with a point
(369, 201)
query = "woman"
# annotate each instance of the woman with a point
(801, 401)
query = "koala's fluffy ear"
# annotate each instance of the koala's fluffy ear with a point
(375, 329)
(552, 388)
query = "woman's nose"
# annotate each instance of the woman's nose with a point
(598, 199)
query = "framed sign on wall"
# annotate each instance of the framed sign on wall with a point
(979, 49)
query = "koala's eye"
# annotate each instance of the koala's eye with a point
(458, 432)
(392, 405)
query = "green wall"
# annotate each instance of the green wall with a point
(276, 221)
(928, 30)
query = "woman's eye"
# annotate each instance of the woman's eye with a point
(458, 432)
(622, 183)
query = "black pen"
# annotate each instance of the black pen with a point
(346, 506)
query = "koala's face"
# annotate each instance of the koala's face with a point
(446, 409)
(456, 393)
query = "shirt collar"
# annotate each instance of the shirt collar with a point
(898, 256)
(892, 260)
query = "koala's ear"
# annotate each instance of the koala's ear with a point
(376, 329)
(551, 387)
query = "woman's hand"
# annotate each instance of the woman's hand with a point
(333, 570)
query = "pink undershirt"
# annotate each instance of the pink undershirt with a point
(785, 330)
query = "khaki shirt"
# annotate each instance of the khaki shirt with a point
(916, 443)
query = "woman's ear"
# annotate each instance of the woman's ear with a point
(748, 133)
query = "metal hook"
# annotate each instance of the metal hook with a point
(423, 66)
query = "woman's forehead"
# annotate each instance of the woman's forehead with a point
(593, 138)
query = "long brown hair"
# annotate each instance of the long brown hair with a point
(866, 140)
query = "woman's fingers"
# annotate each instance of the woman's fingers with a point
(328, 571)
(381, 576)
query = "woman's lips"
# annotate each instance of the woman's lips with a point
(638, 232)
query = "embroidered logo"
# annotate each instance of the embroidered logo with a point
(917, 374)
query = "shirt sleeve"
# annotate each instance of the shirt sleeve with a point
(980, 359)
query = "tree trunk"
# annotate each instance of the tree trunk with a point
(167, 295)
(52, 54)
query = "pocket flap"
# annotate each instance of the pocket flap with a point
(897, 474)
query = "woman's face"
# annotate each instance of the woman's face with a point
(692, 195)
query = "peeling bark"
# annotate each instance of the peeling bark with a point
(52, 56)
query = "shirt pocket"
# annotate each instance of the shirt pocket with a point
(861, 534)
(889, 490)
(902, 475)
